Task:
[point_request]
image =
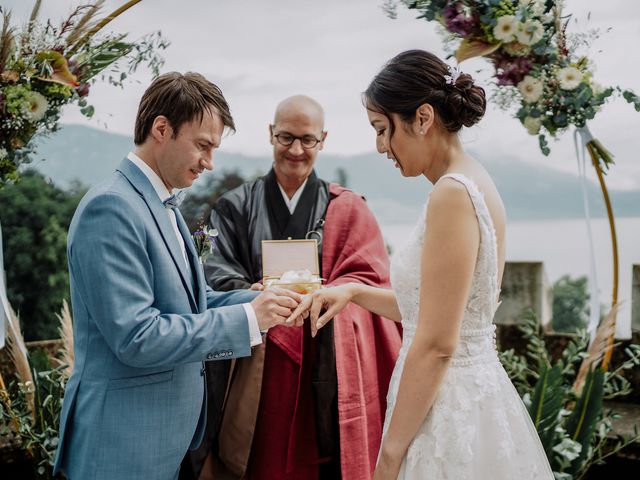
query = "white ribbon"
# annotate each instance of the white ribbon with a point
(581, 137)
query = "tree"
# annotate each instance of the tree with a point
(200, 200)
(570, 304)
(35, 217)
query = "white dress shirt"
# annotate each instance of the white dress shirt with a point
(293, 201)
(163, 193)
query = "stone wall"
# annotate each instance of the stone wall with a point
(524, 286)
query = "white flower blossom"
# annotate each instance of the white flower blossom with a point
(569, 78)
(532, 125)
(530, 32)
(596, 87)
(530, 88)
(506, 28)
(37, 107)
(3, 153)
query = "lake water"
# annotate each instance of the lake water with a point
(563, 246)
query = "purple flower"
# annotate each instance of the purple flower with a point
(83, 89)
(459, 19)
(511, 70)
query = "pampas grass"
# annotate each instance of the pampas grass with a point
(599, 347)
(19, 357)
(66, 335)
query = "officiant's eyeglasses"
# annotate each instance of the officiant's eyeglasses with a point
(307, 141)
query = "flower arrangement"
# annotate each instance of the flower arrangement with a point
(204, 239)
(565, 399)
(44, 67)
(536, 68)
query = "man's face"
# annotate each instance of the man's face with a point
(294, 162)
(182, 159)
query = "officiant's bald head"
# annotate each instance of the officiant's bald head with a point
(297, 135)
(300, 105)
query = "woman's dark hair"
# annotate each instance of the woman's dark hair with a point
(416, 77)
(180, 98)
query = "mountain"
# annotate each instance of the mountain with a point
(529, 191)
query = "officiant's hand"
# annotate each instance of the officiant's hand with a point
(274, 306)
(330, 299)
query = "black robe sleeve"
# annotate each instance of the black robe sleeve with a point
(229, 267)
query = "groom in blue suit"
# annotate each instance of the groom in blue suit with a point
(144, 318)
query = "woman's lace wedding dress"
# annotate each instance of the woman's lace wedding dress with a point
(478, 427)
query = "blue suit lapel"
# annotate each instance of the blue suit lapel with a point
(142, 185)
(194, 262)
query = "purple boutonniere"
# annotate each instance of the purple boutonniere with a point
(204, 239)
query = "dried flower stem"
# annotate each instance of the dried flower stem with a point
(101, 24)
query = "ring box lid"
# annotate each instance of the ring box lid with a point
(279, 256)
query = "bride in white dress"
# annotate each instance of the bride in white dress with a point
(452, 411)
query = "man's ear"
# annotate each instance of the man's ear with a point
(323, 136)
(425, 116)
(161, 129)
(271, 134)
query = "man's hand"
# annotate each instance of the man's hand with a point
(273, 306)
(257, 287)
(333, 299)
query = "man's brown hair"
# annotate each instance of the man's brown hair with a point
(180, 98)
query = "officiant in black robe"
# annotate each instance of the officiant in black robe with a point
(289, 202)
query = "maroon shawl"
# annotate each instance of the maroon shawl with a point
(366, 348)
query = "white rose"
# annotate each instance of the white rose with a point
(538, 7)
(530, 32)
(532, 125)
(530, 88)
(569, 78)
(506, 28)
(37, 107)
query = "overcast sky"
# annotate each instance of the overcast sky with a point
(261, 51)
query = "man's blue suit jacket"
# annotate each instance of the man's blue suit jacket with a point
(143, 325)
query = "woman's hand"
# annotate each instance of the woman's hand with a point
(388, 467)
(332, 299)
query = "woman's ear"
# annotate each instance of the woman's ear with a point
(425, 116)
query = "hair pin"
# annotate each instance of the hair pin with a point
(454, 74)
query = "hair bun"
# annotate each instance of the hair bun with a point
(465, 103)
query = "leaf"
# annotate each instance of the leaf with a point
(546, 404)
(103, 56)
(474, 48)
(581, 424)
(544, 146)
(632, 98)
(61, 73)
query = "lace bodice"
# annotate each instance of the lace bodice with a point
(477, 338)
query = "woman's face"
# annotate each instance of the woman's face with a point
(404, 147)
